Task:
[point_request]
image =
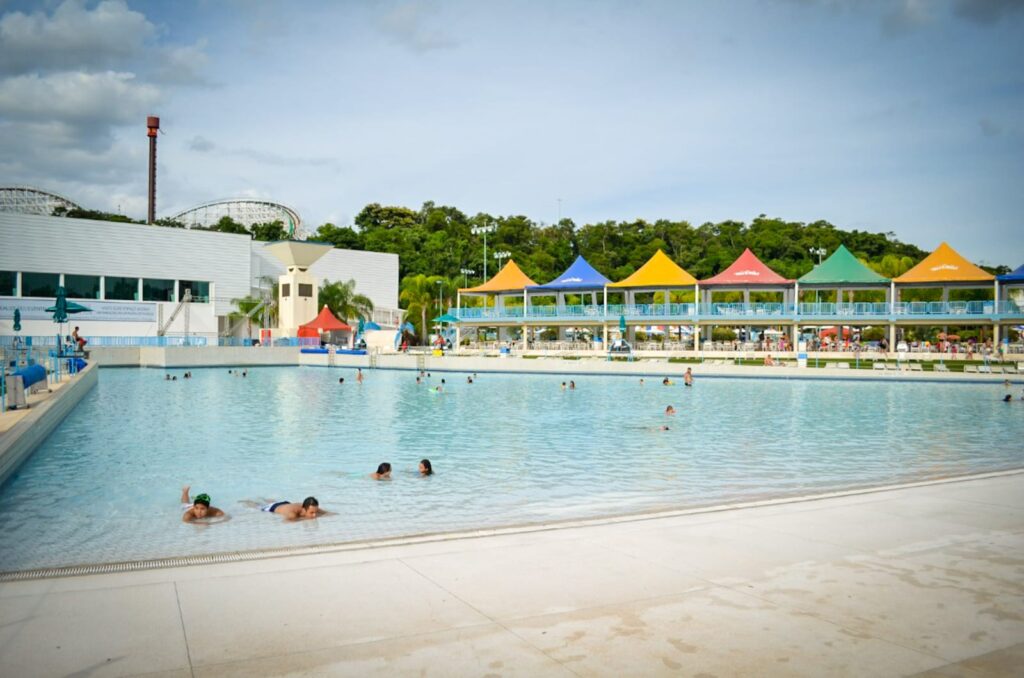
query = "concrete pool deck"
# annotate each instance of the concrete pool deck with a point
(918, 580)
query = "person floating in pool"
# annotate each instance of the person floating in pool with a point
(688, 377)
(383, 472)
(666, 382)
(309, 509)
(198, 508)
(670, 410)
(426, 469)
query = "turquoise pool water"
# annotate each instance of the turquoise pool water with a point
(508, 449)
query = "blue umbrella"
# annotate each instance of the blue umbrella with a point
(371, 326)
(17, 320)
(60, 306)
(622, 323)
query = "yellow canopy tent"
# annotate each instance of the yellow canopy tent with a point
(944, 265)
(659, 272)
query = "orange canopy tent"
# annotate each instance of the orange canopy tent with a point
(944, 265)
(325, 322)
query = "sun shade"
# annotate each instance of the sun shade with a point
(1013, 276)
(580, 276)
(944, 265)
(842, 268)
(746, 271)
(658, 272)
(508, 279)
(326, 322)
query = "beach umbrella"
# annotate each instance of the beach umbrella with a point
(60, 306)
(446, 318)
(371, 326)
(361, 326)
(622, 324)
(17, 320)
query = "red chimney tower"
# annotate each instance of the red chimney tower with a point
(152, 127)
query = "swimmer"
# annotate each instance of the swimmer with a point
(664, 428)
(572, 385)
(1007, 398)
(174, 378)
(167, 377)
(469, 380)
(670, 410)
(443, 381)
(359, 375)
(245, 373)
(563, 385)
(309, 509)
(666, 382)
(341, 380)
(197, 508)
(641, 381)
(425, 468)
(418, 382)
(383, 472)
(688, 377)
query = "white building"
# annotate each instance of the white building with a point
(132, 276)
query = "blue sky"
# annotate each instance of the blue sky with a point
(904, 116)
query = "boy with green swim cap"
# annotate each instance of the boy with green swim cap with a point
(197, 508)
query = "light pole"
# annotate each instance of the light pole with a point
(466, 272)
(440, 301)
(484, 230)
(501, 254)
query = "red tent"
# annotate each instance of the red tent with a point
(325, 322)
(831, 332)
(746, 270)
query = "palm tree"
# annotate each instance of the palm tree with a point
(419, 294)
(343, 301)
(245, 306)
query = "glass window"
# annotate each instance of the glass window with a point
(126, 289)
(305, 290)
(200, 290)
(157, 290)
(286, 290)
(8, 282)
(82, 286)
(39, 284)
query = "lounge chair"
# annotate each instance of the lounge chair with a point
(984, 369)
(892, 367)
(970, 368)
(1011, 369)
(830, 366)
(940, 367)
(878, 366)
(843, 366)
(916, 367)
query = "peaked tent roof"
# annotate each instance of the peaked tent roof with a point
(326, 322)
(745, 271)
(842, 268)
(944, 265)
(1013, 276)
(509, 279)
(579, 276)
(659, 271)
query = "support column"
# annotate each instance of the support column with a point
(526, 338)
(892, 337)
(995, 338)
(796, 335)
(604, 327)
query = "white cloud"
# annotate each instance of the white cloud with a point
(410, 25)
(72, 37)
(87, 99)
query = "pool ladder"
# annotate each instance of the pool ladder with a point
(373, 359)
(421, 362)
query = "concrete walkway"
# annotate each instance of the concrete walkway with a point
(925, 580)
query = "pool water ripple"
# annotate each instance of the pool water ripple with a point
(508, 449)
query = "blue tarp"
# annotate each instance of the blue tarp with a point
(580, 276)
(1015, 276)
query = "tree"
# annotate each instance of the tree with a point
(344, 302)
(270, 231)
(343, 237)
(244, 306)
(419, 294)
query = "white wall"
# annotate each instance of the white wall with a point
(375, 273)
(86, 247)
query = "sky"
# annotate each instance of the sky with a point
(902, 116)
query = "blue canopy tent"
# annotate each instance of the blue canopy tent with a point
(579, 278)
(1016, 276)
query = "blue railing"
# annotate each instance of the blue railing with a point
(774, 311)
(50, 340)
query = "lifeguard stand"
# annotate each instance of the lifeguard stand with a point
(297, 288)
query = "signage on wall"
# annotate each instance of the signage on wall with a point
(105, 311)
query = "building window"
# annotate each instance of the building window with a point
(305, 290)
(286, 290)
(39, 284)
(124, 289)
(8, 283)
(157, 290)
(82, 286)
(200, 290)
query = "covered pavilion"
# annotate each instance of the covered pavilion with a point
(945, 269)
(325, 321)
(510, 281)
(746, 274)
(658, 274)
(1010, 292)
(841, 272)
(580, 278)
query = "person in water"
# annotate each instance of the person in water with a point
(688, 377)
(198, 507)
(341, 380)
(666, 382)
(359, 375)
(572, 385)
(670, 410)
(383, 472)
(469, 380)
(425, 468)
(309, 509)
(563, 385)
